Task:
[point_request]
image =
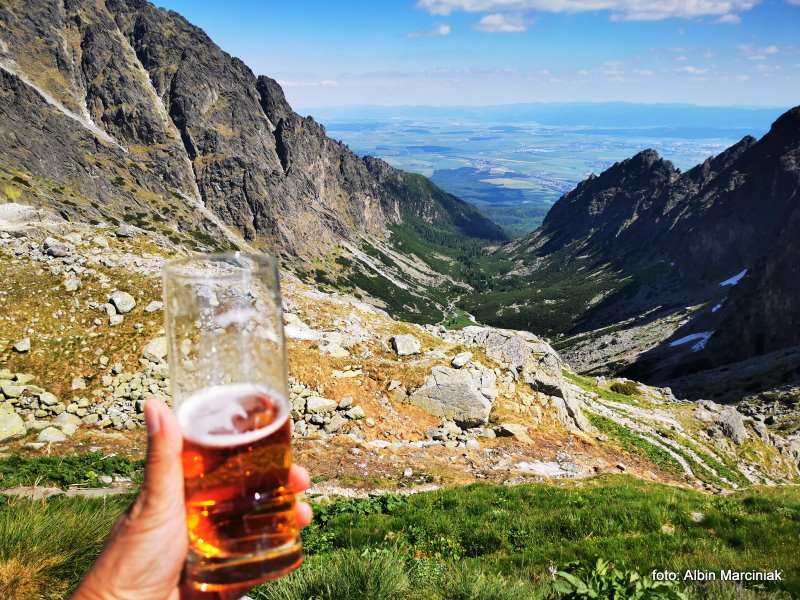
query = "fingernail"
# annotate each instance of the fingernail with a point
(152, 419)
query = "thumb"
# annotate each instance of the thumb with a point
(163, 475)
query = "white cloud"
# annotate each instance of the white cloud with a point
(438, 31)
(743, 77)
(793, 2)
(682, 58)
(644, 72)
(690, 70)
(498, 23)
(623, 10)
(751, 52)
(729, 19)
(768, 69)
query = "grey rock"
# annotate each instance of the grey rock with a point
(438, 433)
(11, 424)
(319, 405)
(345, 403)
(335, 424)
(126, 231)
(515, 430)
(732, 423)
(453, 394)
(473, 445)
(461, 359)
(48, 399)
(153, 306)
(72, 284)
(51, 435)
(123, 302)
(115, 320)
(574, 407)
(156, 349)
(23, 345)
(55, 248)
(405, 344)
(356, 413)
(12, 391)
(66, 418)
(78, 383)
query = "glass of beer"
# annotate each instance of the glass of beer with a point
(227, 364)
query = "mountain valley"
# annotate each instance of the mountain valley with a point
(642, 343)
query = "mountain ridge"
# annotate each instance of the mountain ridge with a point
(160, 92)
(663, 248)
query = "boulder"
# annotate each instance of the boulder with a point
(731, 422)
(574, 406)
(11, 390)
(51, 435)
(11, 424)
(115, 320)
(461, 359)
(355, 413)
(55, 248)
(319, 405)
(156, 350)
(123, 302)
(48, 399)
(72, 284)
(126, 231)
(456, 394)
(66, 418)
(405, 344)
(515, 430)
(22, 345)
(335, 424)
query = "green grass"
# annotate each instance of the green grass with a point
(512, 536)
(480, 542)
(630, 441)
(63, 471)
(47, 546)
(607, 393)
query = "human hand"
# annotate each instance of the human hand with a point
(144, 554)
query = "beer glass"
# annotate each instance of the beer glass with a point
(227, 364)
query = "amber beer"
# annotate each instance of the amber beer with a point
(239, 514)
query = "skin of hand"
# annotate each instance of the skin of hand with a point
(144, 554)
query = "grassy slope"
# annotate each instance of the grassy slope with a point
(477, 542)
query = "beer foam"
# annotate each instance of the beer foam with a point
(218, 405)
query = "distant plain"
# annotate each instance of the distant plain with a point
(513, 162)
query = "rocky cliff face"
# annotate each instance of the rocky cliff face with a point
(123, 111)
(686, 271)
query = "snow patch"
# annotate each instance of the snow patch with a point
(716, 307)
(735, 279)
(700, 339)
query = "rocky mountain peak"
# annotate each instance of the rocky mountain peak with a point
(155, 122)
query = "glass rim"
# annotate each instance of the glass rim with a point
(263, 260)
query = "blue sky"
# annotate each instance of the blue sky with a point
(475, 52)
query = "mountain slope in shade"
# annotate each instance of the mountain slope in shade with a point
(137, 115)
(635, 266)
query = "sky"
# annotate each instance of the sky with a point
(480, 52)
